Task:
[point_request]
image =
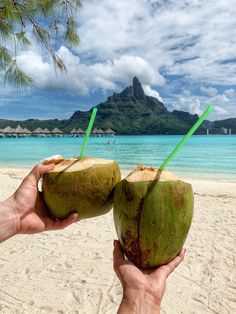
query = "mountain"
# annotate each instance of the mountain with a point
(130, 112)
(133, 112)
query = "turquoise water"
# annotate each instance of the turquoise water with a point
(202, 156)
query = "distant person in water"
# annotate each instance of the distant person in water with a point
(25, 212)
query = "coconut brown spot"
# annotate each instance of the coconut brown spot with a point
(131, 247)
(145, 258)
(179, 200)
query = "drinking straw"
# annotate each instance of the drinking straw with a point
(187, 136)
(89, 129)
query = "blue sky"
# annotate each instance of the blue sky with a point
(182, 51)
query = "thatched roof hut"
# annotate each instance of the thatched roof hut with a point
(73, 131)
(109, 131)
(8, 130)
(38, 131)
(56, 131)
(80, 131)
(26, 131)
(95, 131)
(46, 131)
(18, 130)
(100, 131)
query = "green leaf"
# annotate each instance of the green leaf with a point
(23, 40)
(5, 58)
(41, 34)
(17, 78)
(71, 35)
(5, 28)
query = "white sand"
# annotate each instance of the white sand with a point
(70, 271)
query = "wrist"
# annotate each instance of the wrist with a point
(139, 301)
(9, 221)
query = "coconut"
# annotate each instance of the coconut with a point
(83, 185)
(153, 210)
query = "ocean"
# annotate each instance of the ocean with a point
(202, 156)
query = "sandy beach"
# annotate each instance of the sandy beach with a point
(70, 271)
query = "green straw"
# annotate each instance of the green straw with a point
(187, 136)
(89, 129)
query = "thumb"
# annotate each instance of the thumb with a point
(38, 171)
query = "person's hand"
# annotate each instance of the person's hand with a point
(142, 289)
(30, 208)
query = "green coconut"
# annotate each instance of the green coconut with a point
(85, 186)
(153, 211)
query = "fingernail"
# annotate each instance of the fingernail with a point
(75, 216)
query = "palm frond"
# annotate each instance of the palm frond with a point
(17, 78)
(48, 7)
(22, 39)
(5, 58)
(5, 28)
(71, 35)
(41, 34)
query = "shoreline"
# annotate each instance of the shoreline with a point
(124, 172)
(216, 188)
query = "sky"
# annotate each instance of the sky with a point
(182, 51)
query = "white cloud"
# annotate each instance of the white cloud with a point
(190, 38)
(223, 106)
(230, 93)
(81, 78)
(210, 91)
(151, 92)
(189, 104)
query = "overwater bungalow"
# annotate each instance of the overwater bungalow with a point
(95, 132)
(18, 131)
(73, 132)
(109, 132)
(80, 132)
(8, 131)
(100, 132)
(57, 132)
(46, 132)
(38, 132)
(26, 132)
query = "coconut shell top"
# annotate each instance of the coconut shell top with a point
(84, 186)
(153, 211)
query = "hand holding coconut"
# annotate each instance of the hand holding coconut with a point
(26, 212)
(143, 290)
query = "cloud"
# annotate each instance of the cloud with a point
(230, 93)
(194, 39)
(223, 106)
(151, 92)
(82, 78)
(210, 91)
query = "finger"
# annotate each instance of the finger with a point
(118, 256)
(174, 263)
(38, 171)
(61, 224)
